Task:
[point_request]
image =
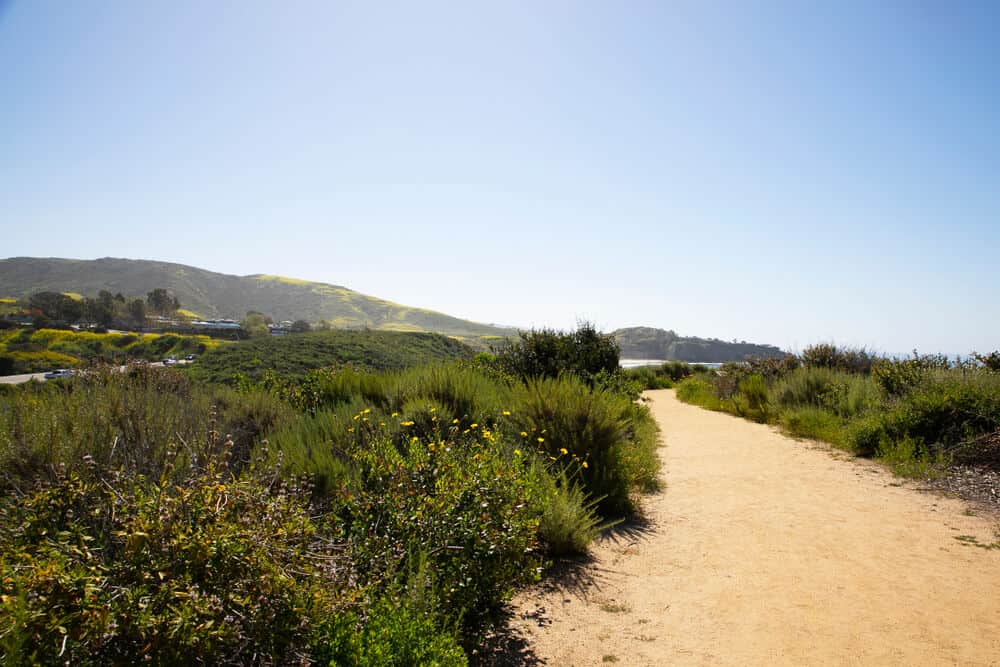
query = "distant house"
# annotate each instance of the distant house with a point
(215, 324)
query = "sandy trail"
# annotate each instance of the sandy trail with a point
(764, 550)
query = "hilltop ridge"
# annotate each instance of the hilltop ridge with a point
(217, 295)
(652, 343)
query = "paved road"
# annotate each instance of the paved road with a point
(18, 379)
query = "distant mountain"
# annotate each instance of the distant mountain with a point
(217, 295)
(650, 343)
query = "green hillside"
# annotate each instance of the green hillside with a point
(296, 354)
(217, 295)
(650, 343)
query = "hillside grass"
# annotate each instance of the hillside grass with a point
(33, 351)
(214, 295)
(293, 356)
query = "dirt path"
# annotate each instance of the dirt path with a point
(764, 550)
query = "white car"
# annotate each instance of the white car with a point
(59, 373)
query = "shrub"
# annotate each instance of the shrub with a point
(564, 418)
(897, 376)
(569, 521)
(753, 398)
(815, 423)
(458, 522)
(106, 569)
(829, 355)
(698, 391)
(664, 376)
(128, 421)
(547, 353)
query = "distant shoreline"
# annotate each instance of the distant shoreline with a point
(636, 363)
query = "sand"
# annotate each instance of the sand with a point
(767, 550)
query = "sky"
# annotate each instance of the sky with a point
(777, 172)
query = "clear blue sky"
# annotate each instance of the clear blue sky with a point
(775, 172)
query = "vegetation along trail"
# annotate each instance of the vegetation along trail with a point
(767, 550)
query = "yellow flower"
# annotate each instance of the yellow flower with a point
(506, 413)
(524, 434)
(394, 414)
(517, 452)
(473, 425)
(366, 411)
(454, 421)
(584, 464)
(432, 410)
(562, 450)
(541, 440)
(407, 423)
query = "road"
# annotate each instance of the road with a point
(18, 379)
(765, 550)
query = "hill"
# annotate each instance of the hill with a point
(218, 295)
(31, 351)
(650, 343)
(296, 354)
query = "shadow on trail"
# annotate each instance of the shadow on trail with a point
(506, 645)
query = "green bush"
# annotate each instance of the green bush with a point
(130, 421)
(753, 398)
(569, 521)
(833, 357)
(945, 415)
(698, 391)
(566, 420)
(547, 353)
(460, 522)
(664, 376)
(106, 569)
(815, 423)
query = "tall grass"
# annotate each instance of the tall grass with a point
(917, 414)
(134, 422)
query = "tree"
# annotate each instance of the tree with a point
(137, 311)
(255, 325)
(162, 302)
(56, 306)
(102, 309)
(300, 326)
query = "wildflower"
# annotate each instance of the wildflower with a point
(414, 439)
(584, 464)
(517, 452)
(366, 411)
(454, 421)
(541, 440)
(524, 434)
(432, 410)
(394, 414)
(506, 413)
(406, 423)
(562, 450)
(473, 425)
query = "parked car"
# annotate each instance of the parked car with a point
(169, 361)
(191, 357)
(59, 373)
